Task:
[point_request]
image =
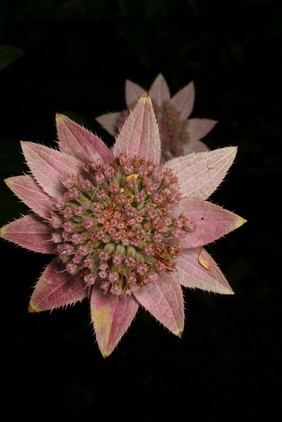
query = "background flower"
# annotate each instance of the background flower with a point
(179, 133)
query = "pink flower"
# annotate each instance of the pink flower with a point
(179, 134)
(125, 231)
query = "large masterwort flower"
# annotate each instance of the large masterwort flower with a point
(125, 230)
(179, 134)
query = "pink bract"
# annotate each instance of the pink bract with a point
(125, 230)
(179, 133)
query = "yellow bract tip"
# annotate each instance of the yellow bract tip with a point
(31, 310)
(60, 116)
(145, 95)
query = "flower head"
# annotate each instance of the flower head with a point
(179, 133)
(125, 230)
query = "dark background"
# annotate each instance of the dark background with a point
(73, 56)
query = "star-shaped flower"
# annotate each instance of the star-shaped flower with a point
(125, 230)
(179, 133)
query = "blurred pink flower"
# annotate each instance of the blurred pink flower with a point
(126, 231)
(179, 134)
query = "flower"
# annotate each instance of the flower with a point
(125, 230)
(179, 133)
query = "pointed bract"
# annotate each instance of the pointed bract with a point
(109, 121)
(159, 91)
(29, 232)
(209, 221)
(26, 189)
(50, 167)
(79, 142)
(111, 317)
(183, 101)
(200, 174)
(163, 298)
(199, 128)
(55, 288)
(132, 93)
(139, 136)
(195, 268)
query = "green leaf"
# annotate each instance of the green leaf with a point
(9, 54)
